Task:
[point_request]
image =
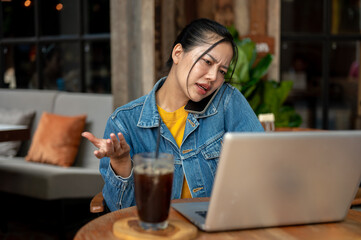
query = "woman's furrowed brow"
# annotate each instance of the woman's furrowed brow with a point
(214, 59)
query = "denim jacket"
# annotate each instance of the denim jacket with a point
(196, 158)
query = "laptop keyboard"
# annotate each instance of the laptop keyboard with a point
(202, 213)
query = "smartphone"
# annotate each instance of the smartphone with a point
(201, 106)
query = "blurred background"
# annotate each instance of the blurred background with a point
(120, 47)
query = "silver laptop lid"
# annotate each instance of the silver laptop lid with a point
(273, 179)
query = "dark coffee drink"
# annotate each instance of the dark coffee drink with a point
(153, 195)
(153, 180)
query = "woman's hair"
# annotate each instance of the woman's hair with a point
(203, 31)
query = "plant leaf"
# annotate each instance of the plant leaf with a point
(248, 91)
(262, 67)
(287, 117)
(262, 108)
(263, 96)
(284, 89)
(249, 84)
(241, 72)
(249, 49)
(233, 31)
(276, 93)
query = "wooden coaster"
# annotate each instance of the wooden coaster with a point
(129, 229)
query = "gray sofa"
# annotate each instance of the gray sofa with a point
(50, 182)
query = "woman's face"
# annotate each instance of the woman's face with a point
(207, 74)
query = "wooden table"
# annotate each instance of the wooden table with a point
(350, 228)
(14, 133)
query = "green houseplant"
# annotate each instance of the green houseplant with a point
(264, 96)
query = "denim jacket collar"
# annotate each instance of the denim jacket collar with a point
(150, 117)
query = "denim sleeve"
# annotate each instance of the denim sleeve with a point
(118, 192)
(240, 117)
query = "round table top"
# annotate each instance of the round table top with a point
(350, 228)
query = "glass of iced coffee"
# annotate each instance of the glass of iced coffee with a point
(153, 179)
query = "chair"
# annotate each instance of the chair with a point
(357, 199)
(97, 203)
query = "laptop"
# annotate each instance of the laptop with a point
(280, 178)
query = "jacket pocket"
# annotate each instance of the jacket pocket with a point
(213, 150)
(211, 154)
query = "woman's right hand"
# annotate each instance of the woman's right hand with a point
(117, 150)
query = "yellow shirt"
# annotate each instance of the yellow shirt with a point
(176, 123)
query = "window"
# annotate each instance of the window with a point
(59, 45)
(320, 53)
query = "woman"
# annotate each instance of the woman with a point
(194, 109)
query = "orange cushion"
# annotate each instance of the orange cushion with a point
(56, 139)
